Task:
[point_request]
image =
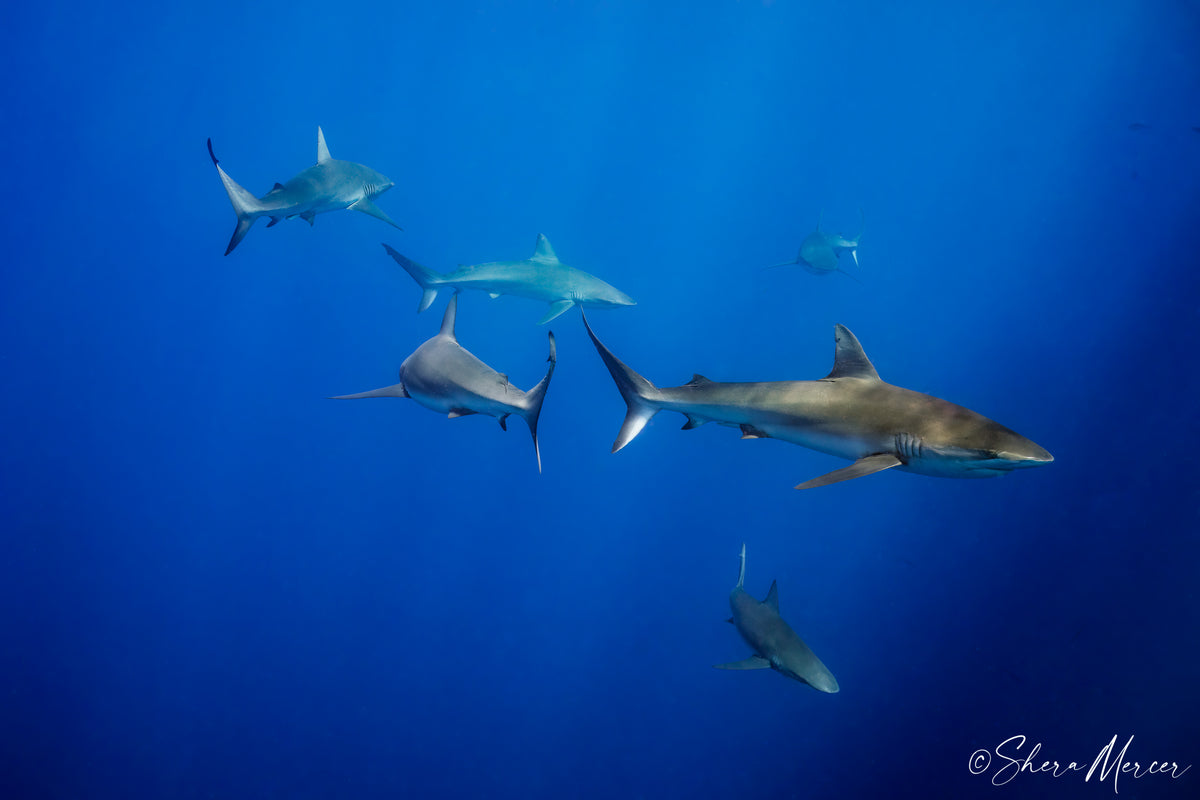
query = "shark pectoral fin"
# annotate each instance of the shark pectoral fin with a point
(367, 207)
(556, 309)
(395, 390)
(753, 662)
(864, 466)
(308, 217)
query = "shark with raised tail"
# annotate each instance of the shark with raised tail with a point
(850, 413)
(443, 376)
(773, 641)
(540, 277)
(330, 185)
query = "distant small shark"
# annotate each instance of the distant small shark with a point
(444, 376)
(773, 641)
(329, 186)
(819, 251)
(850, 413)
(540, 277)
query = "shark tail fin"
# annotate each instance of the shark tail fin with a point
(245, 205)
(534, 399)
(426, 278)
(639, 394)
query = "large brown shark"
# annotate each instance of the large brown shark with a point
(850, 413)
(442, 375)
(773, 641)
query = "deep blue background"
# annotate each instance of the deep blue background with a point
(216, 583)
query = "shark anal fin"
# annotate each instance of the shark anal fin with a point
(753, 662)
(556, 309)
(274, 221)
(697, 381)
(692, 422)
(503, 423)
(278, 187)
(367, 207)
(751, 432)
(309, 217)
(864, 466)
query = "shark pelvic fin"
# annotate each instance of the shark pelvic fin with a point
(864, 466)
(366, 206)
(849, 359)
(753, 662)
(322, 148)
(455, 413)
(542, 251)
(426, 278)
(692, 422)
(395, 390)
(556, 309)
(771, 601)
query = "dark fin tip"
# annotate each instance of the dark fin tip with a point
(213, 156)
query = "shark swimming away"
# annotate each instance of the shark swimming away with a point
(443, 376)
(330, 185)
(819, 251)
(850, 413)
(540, 277)
(773, 641)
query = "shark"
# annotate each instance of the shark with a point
(850, 413)
(445, 377)
(330, 185)
(773, 641)
(540, 277)
(820, 250)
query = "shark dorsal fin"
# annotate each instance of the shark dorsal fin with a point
(543, 251)
(448, 319)
(772, 599)
(322, 148)
(697, 381)
(849, 360)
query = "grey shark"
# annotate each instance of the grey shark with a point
(773, 641)
(540, 277)
(442, 375)
(850, 413)
(330, 185)
(820, 250)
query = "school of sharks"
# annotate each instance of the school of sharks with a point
(850, 413)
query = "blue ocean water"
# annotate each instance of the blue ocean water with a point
(218, 583)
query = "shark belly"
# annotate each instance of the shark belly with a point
(449, 379)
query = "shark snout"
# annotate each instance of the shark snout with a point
(1032, 455)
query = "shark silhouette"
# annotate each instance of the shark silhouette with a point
(443, 376)
(773, 641)
(849, 413)
(540, 277)
(330, 185)
(820, 250)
